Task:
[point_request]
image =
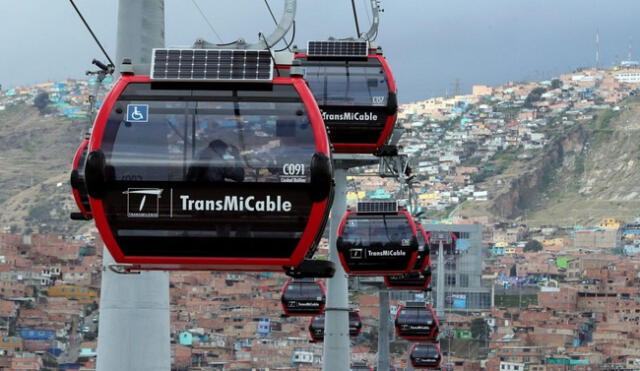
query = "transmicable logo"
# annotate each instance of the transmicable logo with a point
(386, 253)
(237, 203)
(349, 116)
(143, 202)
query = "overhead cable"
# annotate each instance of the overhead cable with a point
(355, 18)
(95, 38)
(207, 20)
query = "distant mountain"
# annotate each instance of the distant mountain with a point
(587, 172)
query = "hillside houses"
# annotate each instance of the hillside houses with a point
(472, 131)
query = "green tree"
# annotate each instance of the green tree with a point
(533, 246)
(534, 96)
(556, 83)
(41, 102)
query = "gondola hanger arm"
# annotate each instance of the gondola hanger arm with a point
(282, 28)
(376, 9)
(372, 33)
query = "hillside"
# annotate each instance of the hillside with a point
(587, 172)
(35, 156)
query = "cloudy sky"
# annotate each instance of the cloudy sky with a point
(429, 43)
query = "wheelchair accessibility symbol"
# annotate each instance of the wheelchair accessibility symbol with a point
(138, 112)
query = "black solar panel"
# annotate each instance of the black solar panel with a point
(377, 207)
(211, 64)
(337, 49)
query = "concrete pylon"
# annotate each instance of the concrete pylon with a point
(134, 329)
(336, 351)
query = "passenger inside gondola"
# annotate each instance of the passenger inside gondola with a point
(207, 164)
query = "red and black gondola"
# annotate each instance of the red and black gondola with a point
(355, 323)
(303, 297)
(199, 168)
(423, 260)
(409, 281)
(78, 185)
(356, 92)
(420, 278)
(360, 366)
(425, 356)
(378, 238)
(416, 321)
(447, 239)
(316, 326)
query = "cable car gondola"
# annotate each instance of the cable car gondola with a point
(409, 281)
(448, 240)
(425, 356)
(423, 261)
(377, 239)
(360, 366)
(316, 326)
(355, 323)
(416, 322)
(355, 90)
(303, 297)
(78, 185)
(198, 168)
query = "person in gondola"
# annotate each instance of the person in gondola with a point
(217, 162)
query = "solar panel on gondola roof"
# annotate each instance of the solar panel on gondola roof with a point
(211, 65)
(337, 49)
(377, 207)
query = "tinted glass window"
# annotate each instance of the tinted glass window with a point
(243, 140)
(303, 290)
(318, 322)
(377, 230)
(347, 85)
(426, 351)
(312, 290)
(421, 241)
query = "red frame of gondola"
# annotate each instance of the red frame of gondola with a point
(284, 307)
(388, 126)
(314, 223)
(414, 255)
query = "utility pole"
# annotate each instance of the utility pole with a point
(134, 309)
